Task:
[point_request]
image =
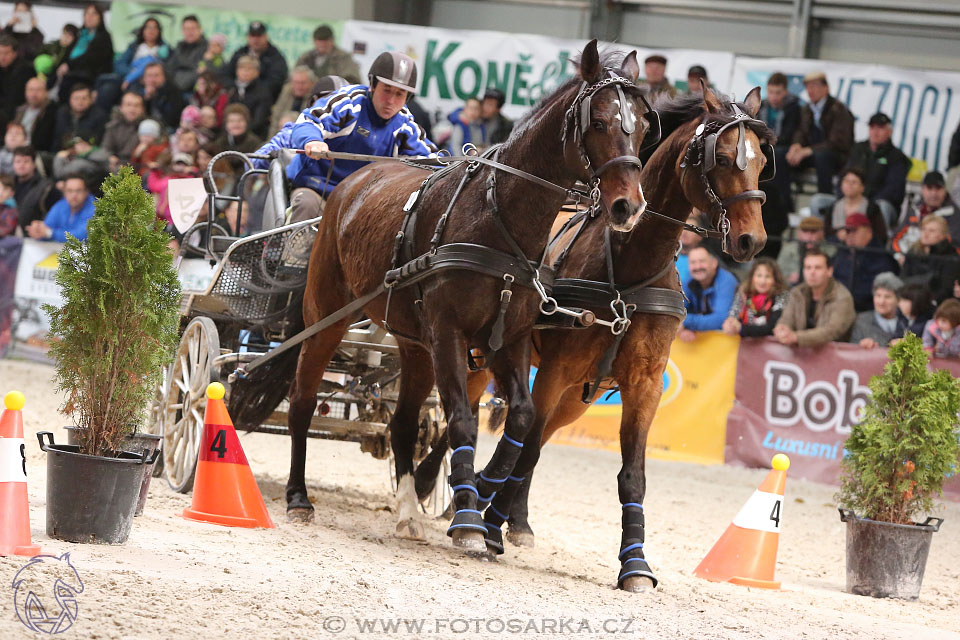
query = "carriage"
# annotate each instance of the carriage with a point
(236, 306)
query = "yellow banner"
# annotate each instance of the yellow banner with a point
(691, 421)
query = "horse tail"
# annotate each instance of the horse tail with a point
(498, 409)
(254, 397)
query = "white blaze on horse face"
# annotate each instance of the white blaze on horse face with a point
(752, 153)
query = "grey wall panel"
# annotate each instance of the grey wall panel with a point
(929, 53)
(496, 16)
(693, 32)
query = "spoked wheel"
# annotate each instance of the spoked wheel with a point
(186, 401)
(155, 415)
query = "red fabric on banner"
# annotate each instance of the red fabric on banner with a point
(802, 402)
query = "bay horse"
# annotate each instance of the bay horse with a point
(589, 129)
(677, 177)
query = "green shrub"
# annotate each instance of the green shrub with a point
(906, 444)
(118, 323)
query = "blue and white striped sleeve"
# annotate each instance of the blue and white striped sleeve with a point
(332, 118)
(411, 140)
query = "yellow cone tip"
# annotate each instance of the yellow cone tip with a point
(215, 391)
(14, 401)
(780, 462)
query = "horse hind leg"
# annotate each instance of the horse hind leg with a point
(416, 381)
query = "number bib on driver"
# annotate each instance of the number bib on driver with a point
(761, 512)
(13, 462)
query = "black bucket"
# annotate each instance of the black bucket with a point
(887, 560)
(91, 498)
(133, 442)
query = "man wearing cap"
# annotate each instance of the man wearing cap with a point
(934, 200)
(655, 70)
(496, 125)
(364, 119)
(860, 261)
(327, 59)
(273, 68)
(810, 234)
(825, 134)
(695, 75)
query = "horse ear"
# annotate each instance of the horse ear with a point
(710, 102)
(752, 102)
(590, 63)
(630, 66)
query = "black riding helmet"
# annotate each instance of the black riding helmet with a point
(327, 85)
(395, 69)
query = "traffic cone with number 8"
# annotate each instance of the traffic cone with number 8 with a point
(746, 554)
(14, 510)
(225, 491)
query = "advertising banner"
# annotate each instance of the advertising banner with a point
(923, 105)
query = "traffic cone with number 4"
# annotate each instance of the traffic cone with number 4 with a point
(224, 491)
(746, 554)
(14, 508)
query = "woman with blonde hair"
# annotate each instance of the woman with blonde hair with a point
(759, 301)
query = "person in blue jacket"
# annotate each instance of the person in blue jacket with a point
(68, 216)
(710, 293)
(358, 118)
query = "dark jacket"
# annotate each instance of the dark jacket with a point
(855, 269)
(96, 60)
(34, 198)
(13, 81)
(909, 232)
(783, 122)
(336, 63)
(837, 124)
(257, 99)
(28, 44)
(120, 138)
(41, 137)
(421, 117)
(247, 143)
(953, 156)
(936, 270)
(89, 125)
(273, 69)
(866, 326)
(498, 129)
(165, 106)
(757, 322)
(182, 63)
(885, 170)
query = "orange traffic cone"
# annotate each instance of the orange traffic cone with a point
(14, 509)
(746, 553)
(224, 491)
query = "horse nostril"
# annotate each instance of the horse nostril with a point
(621, 209)
(746, 244)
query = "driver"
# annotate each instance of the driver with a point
(355, 119)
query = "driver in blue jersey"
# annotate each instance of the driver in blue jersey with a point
(363, 119)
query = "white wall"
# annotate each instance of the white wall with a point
(496, 16)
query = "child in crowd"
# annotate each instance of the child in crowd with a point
(14, 137)
(213, 57)
(8, 207)
(209, 92)
(209, 126)
(941, 337)
(151, 145)
(933, 261)
(169, 167)
(189, 122)
(759, 301)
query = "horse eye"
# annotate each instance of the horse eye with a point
(599, 126)
(723, 161)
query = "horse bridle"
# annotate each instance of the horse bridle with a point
(701, 151)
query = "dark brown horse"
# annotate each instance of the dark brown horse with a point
(568, 361)
(438, 321)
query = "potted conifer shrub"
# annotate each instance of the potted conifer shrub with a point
(113, 333)
(896, 461)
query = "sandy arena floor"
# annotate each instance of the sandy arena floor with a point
(180, 579)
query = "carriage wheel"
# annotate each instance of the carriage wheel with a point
(155, 414)
(186, 401)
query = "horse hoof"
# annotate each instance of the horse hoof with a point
(300, 515)
(469, 540)
(411, 530)
(520, 538)
(637, 584)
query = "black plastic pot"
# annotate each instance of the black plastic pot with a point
(886, 560)
(91, 498)
(134, 442)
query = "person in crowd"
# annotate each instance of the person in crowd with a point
(496, 125)
(688, 241)
(148, 46)
(825, 134)
(186, 142)
(150, 144)
(655, 72)
(79, 118)
(189, 123)
(884, 325)
(186, 56)
(884, 167)
(854, 201)
(14, 73)
(860, 260)
(696, 78)
(273, 67)
(237, 135)
(90, 55)
(810, 234)
(953, 153)
(916, 305)
(465, 127)
(52, 53)
(933, 261)
(38, 115)
(326, 59)
(781, 111)
(934, 200)
(34, 194)
(9, 218)
(22, 27)
(163, 100)
(294, 97)
(14, 137)
(120, 137)
(213, 58)
(940, 336)
(209, 92)
(378, 110)
(709, 294)
(421, 117)
(68, 216)
(818, 311)
(282, 138)
(210, 125)
(759, 301)
(252, 91)
(169, 166)
(81, 157)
